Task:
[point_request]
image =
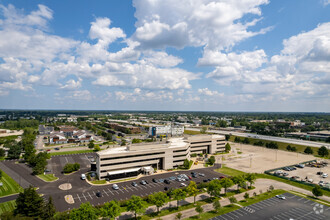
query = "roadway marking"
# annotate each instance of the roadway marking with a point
(110, 191)
(89, 195)
(84, 196)
(126, 190)
(78, 197)
(105, 192)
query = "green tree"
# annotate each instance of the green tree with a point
(232, 200)
(308, 150)
(227, 147)
(216, 206)
(91, 144)
(179, 194)
(85, 211)
(226, 183)
(211, 160)
(227, 136)
(111, 209)
(192, 190)
(2, 152)
(251, 178)
(29, 203)
(294, 149)
(323, 151)
(186, 164)
(178, 216)
(289, 148)
(97, 148)
(246, 140)
(317, 191)
(237, 139)
(214, 188)
(272, 145)
(14, 151)
(246, 195)
(49, 209)
(158, 199)
(203, 130)
(239, 181)
(221, 123)
(199, 209)
(135, 205)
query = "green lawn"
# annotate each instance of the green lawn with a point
(9, 185)
(48, 177)
(99, 181)
(212, 214)
(261, 197)
(7, 206)
(191, 132)
(71, 152)
(229, 171)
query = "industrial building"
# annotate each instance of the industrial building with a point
(166, 130)
(122, 162)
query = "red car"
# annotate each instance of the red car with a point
(190, 177)
(221, 177)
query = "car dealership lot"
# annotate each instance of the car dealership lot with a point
(292, 207)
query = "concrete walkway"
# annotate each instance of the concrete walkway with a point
(260, 184)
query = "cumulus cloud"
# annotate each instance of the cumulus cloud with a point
(207, 92)
(72, 84)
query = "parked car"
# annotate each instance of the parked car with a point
(319, 173)
(285, 174)
(205, 180)
(166, 188)
(221, 177)
(115, 187)
(47, 170)
(324, 175)
(201, 174)
(190, 177)
(143, 182)
(321, 183)
(98, 194)
(301, 165)
(56, 148)
(134, 184)
(280, 197)
(183, 185)
(154, 180)
(83, 176)
(167, 181)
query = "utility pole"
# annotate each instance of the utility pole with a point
(250, 160)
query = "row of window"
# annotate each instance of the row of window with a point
(127, 162)
(129, 156)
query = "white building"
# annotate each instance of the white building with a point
(122, 162)
(166, 130)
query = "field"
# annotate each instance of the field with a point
(7, 206)
(191, 132)
(71, 152)
(9, 186)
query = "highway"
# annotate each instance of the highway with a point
(268, 138)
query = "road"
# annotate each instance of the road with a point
(268, 138)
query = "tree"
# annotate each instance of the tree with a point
(2, 152)
(158, 199)
(293, 149)
(199, 209)
(227, 136)
(251, 177)
(272, 145)
(49, 209)
(308, 150)
(317, 191)
(29, 203)
(135, 205)
(211, 160)
(232, 199)
(239, 180)
(226, 183)
(227, 147)
(97, 148)
(323, 151)
(14, 151)
(221, 123)
(186, 164)
(192, 190)
(216, 206)
(246, 141)
(111, 209)
(85, 211)
(237, 139)
(178, 216)
(203, 130)
(288, 148)
(91, 144)
(179, 194)
(246, 195)
(214, 188)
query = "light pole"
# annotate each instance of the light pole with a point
(276, 155)
(251, 160)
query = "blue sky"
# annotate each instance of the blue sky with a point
(205, 55)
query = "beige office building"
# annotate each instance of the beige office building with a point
(121, 162)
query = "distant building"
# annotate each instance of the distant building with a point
(69, 134)
(45, 129)
(124, 128)
(166, 130)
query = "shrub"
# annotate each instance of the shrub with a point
(71, 167)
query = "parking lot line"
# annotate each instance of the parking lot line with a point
(116, 191)
(105, 192)
(110, 191)
(84, 196)
(126, 190)
(78, 197)
(300, 199)
(89, 195)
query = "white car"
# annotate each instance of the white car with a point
(83, 176)
(324, 175)
(115, 187)
(280, 197)
(183, 184)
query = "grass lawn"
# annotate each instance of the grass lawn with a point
(229, 171)
(99, 181)
(261, 197)
(281, 145)
(191, 132)
(9, 185)
(47, 177)
(123, 180)
(71, 152)
(212, 214)
(7, 206)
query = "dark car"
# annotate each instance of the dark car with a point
(99, 194)
(154, 180)
(56, 148)
(205, 180)
(134, 184)
(166, 188)
(221, 177)
(319, 173)
(143, 182)
(167, 181)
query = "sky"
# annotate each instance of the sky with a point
(187, 55)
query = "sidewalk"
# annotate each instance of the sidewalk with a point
(260, 184)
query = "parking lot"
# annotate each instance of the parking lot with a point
(308, 174)
(293, 207)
